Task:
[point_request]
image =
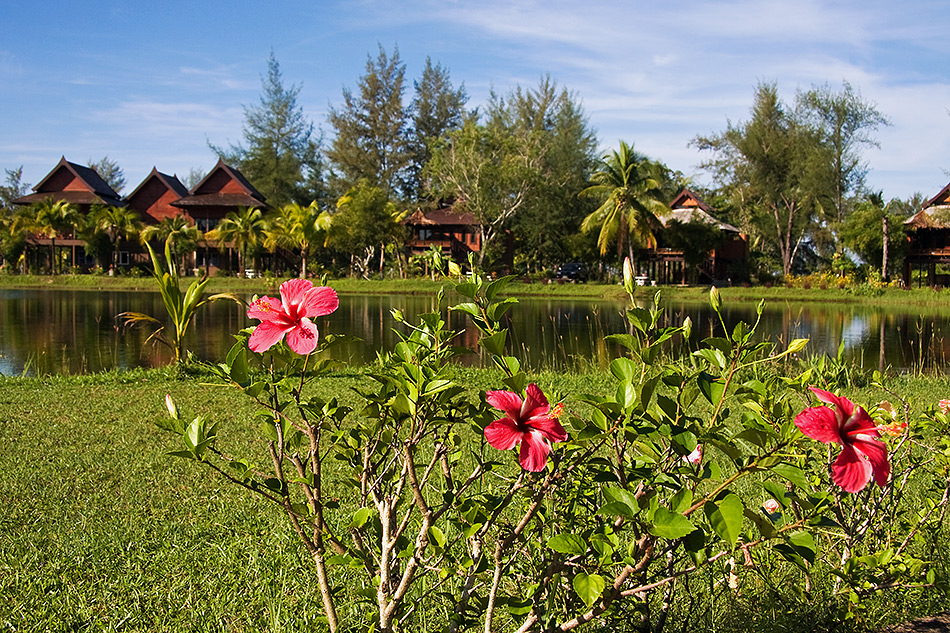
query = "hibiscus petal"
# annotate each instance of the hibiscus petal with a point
(851, 470)
(320, 301)
(505, 401)
(535, 403)
(859, 423)
(292, 293)
(534, 452)
(303, 338)
(843, 406)
(819, 423)
(550, 427)
(266, 335)
(503, 434)
(265, 309)
(876, 452)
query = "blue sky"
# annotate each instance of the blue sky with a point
(151, 83)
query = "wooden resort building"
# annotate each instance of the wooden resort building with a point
(456, 234)
(223, 190)
(667, 264)
(928, 236)
(81, 187)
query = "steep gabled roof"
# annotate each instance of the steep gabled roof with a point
(688, 207)
(935, 213)
(209, 192)
(92, 188)
(440, 217)
(170, 183)
(687, 198)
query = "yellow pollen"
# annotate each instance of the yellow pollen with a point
(557, 410)
(263, 306)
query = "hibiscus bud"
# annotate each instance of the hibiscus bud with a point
(627, 275)
(715, 300)
(696, 456)
(454, 270)
(771, 506)
(170, 405)
(797, 345)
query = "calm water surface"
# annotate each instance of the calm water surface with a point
(75, 331)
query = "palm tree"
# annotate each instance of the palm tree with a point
(629, 185)
(243, 230)
(51, 218)
(15, 229)
(295, 228)
(118, 223)
(180, 233)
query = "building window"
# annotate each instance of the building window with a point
(123, 258)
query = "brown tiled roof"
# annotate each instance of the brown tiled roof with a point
(219, 200)
(695, 214)
(72, 197)
(935, 213)
(682, 196)
(234, 174)
(932, 217)
(441, 217)
(99, 191)
(171, 183)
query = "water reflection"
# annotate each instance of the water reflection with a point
(74, 331)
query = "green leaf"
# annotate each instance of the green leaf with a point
(669, 524)
(570, 544)
(589, 587)
(238, 370)
(711, 387)
(792, 473)
(725, 517)
(623, 369)
(618, 509)
(494, 344)
(681, 500)
(436, 537)
(803, 544)
(360, 517)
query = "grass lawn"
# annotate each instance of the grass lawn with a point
(894, 297)
(100, 530)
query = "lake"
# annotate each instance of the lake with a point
(76, 331)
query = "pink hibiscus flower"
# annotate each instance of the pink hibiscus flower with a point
(530, 423)
(696, 457)
(862, 456)
(299, 301)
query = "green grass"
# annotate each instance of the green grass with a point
(100, 530)
(917, 297)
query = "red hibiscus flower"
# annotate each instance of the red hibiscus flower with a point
(530, 423)
(299, 301)
(862, 456)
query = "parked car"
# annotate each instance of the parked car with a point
(575, 271)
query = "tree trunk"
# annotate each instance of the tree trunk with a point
(884, 275)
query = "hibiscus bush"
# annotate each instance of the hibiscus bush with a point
(432, 506)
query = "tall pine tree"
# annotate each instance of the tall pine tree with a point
(281, 157)
(371, 130)
(436, 109)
